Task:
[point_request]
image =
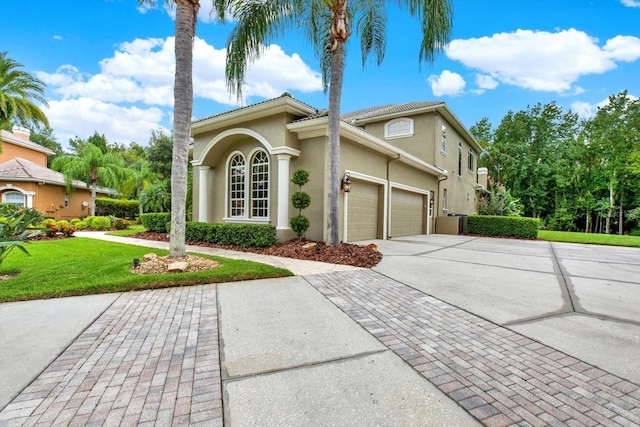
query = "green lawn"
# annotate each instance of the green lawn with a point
(134, 229)
(589, 238)
(82, 266)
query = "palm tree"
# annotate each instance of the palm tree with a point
(93, 167)
(327, 26)
(139, 176)
(17, 90)
(186, 18)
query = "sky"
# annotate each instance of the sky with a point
(108, 64)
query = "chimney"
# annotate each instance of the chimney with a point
(483, 173)
(21, 132)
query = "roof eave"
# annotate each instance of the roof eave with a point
(283, 104)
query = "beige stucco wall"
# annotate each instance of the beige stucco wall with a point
(10, 151)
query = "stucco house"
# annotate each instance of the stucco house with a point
(25, 179)
(410, 165)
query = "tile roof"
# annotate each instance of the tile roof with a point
(25, 170)
(384, 110)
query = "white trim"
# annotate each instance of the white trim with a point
(230, 132)
(385, 203)
(399, 135)
(284, 162)
(246, 220)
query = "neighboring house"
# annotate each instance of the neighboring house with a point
(408, 164)
(25, 179)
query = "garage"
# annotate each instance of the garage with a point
(408, 213)
(363, 212)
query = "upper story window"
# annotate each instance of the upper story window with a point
(260, 185)
(443, 144)
(399, 128)
(14, 198)
(237, 181)
(459, 158)
(470, 161)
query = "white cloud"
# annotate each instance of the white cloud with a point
(138, 80)
(83, 116)
(485, 81)
(57, 37)
(631, 3)
(540, 60)
(447, 83)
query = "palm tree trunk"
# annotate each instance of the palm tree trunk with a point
(186, 15)
(339, 35)
(335, 93)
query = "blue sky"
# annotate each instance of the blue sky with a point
(108, 64)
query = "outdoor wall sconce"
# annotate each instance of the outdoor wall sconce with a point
(346, 184)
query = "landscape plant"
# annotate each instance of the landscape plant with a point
(16, 227)
(300, 200)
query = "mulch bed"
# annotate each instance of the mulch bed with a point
(346, 253)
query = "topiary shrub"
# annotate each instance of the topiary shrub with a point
(300, 200)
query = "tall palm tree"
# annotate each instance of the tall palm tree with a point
(326, 23)
(18, 90)
(186, 18)
(93, 167)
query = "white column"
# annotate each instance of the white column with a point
(30, 199)
(283, 191)
(203, 193)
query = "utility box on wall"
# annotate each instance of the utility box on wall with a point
(452, 224)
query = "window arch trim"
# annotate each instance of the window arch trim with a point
(402, 127)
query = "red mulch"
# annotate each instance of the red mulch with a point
(346, 253)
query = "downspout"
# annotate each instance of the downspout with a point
(388, 207)
(440, 179)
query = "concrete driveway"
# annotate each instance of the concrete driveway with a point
(583, 300)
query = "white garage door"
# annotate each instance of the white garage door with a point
(363, 215)
(407, 213)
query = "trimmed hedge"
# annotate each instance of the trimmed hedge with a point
(507, 226)
(156, 221)
(244, 235)
(117, 207)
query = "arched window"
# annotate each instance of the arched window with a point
(399, 128)
(14, 198)
(237, 179)
(260, 185)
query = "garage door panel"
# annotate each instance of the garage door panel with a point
(407, 213)
(363, 212)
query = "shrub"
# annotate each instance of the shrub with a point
(244, 235)
(156, 221)
(100, 223)
(17, 228)
(120, 223)
(118, 208)
(50, 227)
(66, 228)
(524, 228)
(76, 222)
(300, 200)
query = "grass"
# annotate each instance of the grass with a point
(83, 266)
(134, 229)
(589, 238)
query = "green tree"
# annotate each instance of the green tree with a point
(155, 197)
(138, 177)
(327, 25)
(615, 132)
(18, 91)
(93, 167)
(160, 152)
(46, 138)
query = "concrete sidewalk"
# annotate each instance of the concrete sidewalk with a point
(356, 347)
